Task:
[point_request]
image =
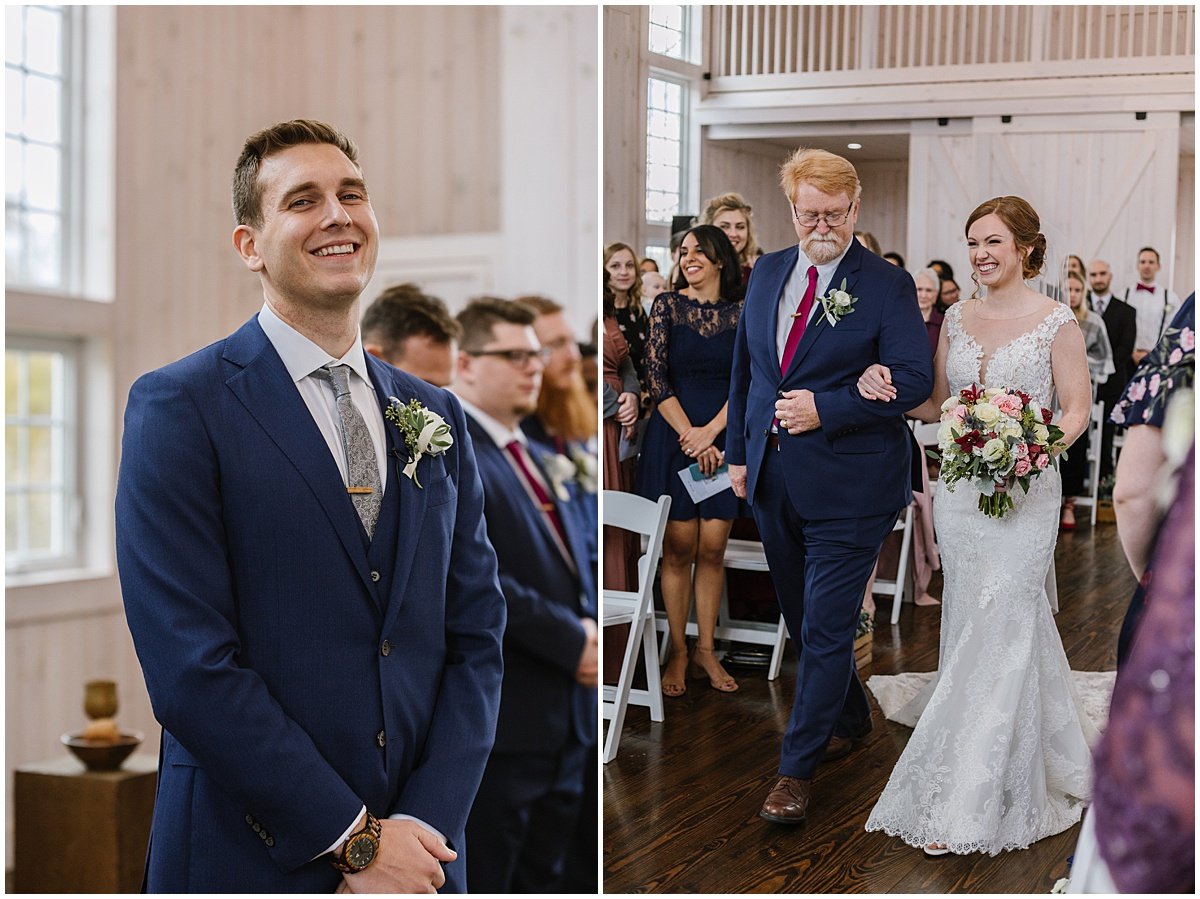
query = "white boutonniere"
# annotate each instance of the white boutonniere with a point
(838, 304)
(560, 470)
(585, 468)
(425, 432)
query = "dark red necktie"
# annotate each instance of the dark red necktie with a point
(799, 321)
(1146, 287)
(547, 505)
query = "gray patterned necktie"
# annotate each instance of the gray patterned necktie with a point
(362, 467)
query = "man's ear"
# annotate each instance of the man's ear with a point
(244, 242)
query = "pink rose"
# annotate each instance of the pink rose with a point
(1176, 355)
(1137, 390)
(1042, 461)
(1187, 339)
(1021, 451)
(1008, 404)
(1155, 381)
(1022, 468)
(959, 412)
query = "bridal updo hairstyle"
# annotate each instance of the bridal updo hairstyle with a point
(1019, 217)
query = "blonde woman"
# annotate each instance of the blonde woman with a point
(733, 215)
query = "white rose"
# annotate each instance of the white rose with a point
(986, 413)
(994, 450)
(1010, 428)
(1041, 433)
(841, 299)
(951, 403)
(992, 393)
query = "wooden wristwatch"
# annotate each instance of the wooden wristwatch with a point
(360, 848)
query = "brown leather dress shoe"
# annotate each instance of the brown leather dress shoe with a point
(787, 803)
(839, 747)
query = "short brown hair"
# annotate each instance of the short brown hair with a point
(827, 172)
(1021, 219)
(247, 192)
(539, 305)
(482, 314)
(404, 311)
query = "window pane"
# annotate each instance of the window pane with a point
(40, 520)
(43, 372)
(13, 243)
(12, 455)
(12, 35)
(667, 31)
(43, 41)
(14, 94)
(14, 158)
(660, 207)
(45, 249)
(662, 124)
(662, 178)
(660, 151)
(14, 514)
(41, 456)
(43, 175)
(43, 115)
(12, 383)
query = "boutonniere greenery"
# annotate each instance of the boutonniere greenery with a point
(838, 304)
(560, 470)
(585, 468)
(425, 432)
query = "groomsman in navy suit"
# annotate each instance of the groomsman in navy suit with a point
(827, 472)
(310, 588)
(529, 802)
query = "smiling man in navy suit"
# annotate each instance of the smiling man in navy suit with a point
(531, 797)
(309, 586)
(826, 472)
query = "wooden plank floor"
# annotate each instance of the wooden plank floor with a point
(681, 799)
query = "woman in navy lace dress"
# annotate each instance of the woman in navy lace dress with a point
(688, 361)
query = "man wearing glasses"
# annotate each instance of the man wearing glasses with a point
(826, 472)
(525, 815)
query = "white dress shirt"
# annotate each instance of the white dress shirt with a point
(301, 357)
(1100, 302)
(793, 293)
(1154, 313)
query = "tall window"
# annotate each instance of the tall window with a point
(35, 145)
(664, 149)
(40, 506)
(670, 31)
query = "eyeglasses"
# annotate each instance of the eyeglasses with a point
(810, 219)
(517, 358)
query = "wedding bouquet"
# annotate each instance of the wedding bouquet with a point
(995, 438)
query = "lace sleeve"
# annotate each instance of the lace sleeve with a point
(661, 318)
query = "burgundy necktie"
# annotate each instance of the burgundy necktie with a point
(547, 505)
(799, 321)
(1146, 287)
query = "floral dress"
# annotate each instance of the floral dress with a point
(1169, 367)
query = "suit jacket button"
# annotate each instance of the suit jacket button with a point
(766, 432)
(381, 739)
(779, 394)
(257, 827)
(386, 648)
(375, 576)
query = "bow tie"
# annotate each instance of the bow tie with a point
(1146, 287)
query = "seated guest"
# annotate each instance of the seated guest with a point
(894, 259)
(414, 332)
(529, 805)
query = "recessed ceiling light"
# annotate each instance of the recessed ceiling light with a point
(853, 146)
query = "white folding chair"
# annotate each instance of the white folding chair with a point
(635, 608)
(1095, 434)
(926, 435)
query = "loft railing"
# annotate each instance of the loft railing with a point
(789, 40)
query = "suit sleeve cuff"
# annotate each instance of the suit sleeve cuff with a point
(345, 834)
(429, 827)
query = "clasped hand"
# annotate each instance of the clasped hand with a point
(796, 411)
(409, 861)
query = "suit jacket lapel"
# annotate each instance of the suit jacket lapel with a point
(576, 554)
(412, 499)
(848, 269)
(265, 388)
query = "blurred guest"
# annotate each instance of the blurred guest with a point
(867, 239)
(927, 296)
(894, 259)
(566, 414)
(942, 267)
(414, 332)
(1120, 322)
(649, 265)
(621, 404)
(948, 294)
(530, 802)
(1075, 264)
(1167, 371)
(588, 353)
(625, 282)
(652, 285)
(1074, 467)
(732, 214)
(1154, 303)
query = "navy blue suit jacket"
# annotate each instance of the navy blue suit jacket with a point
(299, 670)
(858, 462)
(541, 707)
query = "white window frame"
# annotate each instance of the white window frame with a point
(88, 240)
(66, 516)
(685, 130)
(689, 34)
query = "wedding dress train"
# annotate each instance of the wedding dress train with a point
(999, 756)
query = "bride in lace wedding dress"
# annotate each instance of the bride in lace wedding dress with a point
(999, 756)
